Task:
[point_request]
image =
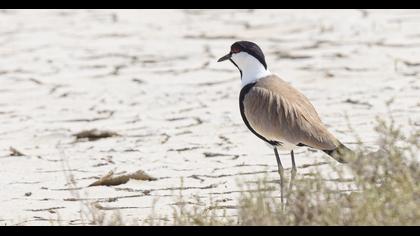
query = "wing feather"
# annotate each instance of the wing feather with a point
(277, 111)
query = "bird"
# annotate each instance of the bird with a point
(278, 113)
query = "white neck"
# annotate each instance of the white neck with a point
(252, 69)
(252, 74)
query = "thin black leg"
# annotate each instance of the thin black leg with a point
(293, 162)
(294, 170)
(281, 173)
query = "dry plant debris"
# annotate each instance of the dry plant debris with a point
(15, 153)
(94, 134)
(111, 180)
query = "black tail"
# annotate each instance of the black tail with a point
(341, 154)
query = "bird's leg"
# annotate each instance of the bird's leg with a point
(294, 170)
(281, 173)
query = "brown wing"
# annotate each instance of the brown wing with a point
(277, 111)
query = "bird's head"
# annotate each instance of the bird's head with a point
(247, 57)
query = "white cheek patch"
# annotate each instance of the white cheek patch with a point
(251, 68)
(241, 58)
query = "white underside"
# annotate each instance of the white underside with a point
(285, 146)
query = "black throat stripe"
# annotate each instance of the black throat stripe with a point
(240, 71)
(242, 95)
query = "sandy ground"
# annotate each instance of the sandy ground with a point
(151, 76)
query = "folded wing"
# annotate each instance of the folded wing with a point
(277, 111)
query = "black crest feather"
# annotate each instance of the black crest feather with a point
(251, 48)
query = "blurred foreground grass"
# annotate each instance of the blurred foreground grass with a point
(384, 190)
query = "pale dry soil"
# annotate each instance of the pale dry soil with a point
(151, 78)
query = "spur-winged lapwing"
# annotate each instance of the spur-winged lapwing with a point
(276, 112)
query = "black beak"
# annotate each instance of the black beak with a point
(225, 57)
